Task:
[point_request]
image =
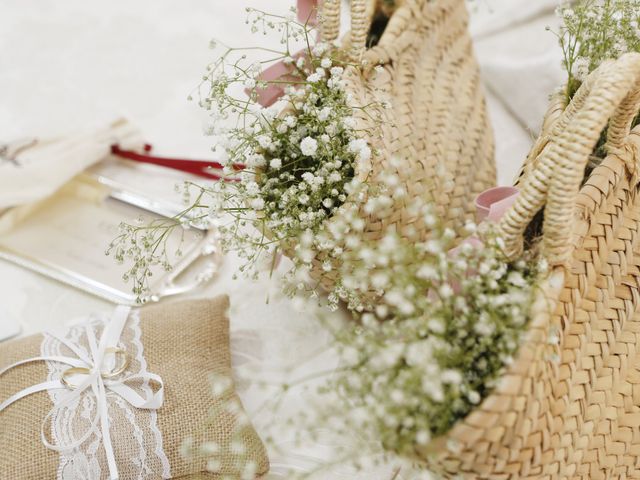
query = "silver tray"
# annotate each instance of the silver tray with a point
(65, 238)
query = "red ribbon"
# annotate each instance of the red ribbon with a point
(201, 168)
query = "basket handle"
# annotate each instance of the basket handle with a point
(556, 119)
(611, 95)
(360, 24)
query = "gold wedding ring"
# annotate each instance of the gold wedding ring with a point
(123, 363)
(70, 372)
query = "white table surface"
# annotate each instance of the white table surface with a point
(78, 63)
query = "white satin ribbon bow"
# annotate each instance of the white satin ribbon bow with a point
(92, 367)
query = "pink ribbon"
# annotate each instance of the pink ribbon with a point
(307, 13)
(279, 71)
(491, 205)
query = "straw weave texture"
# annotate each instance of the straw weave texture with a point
(184, 343)
(569, 406)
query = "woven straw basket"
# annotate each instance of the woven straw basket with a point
(569, 405)
(436, 128)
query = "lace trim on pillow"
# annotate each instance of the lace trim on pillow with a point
(137, 441)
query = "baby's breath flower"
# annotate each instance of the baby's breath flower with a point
(275, 163)
(593, 32)
(443, 330)
(319, 49)
(264, 141)
(309, 146)
(323, 115)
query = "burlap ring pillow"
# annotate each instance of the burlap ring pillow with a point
(435, 135)
(569, 405)
(184, 343)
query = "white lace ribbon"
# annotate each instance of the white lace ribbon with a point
(92, 366)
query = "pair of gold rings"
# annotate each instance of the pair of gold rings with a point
(123, 363)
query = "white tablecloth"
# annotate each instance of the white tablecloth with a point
(73, 64)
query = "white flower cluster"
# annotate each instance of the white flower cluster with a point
(298, 163)
(432, 346)
(593, 32)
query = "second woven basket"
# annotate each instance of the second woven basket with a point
(569, 405)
